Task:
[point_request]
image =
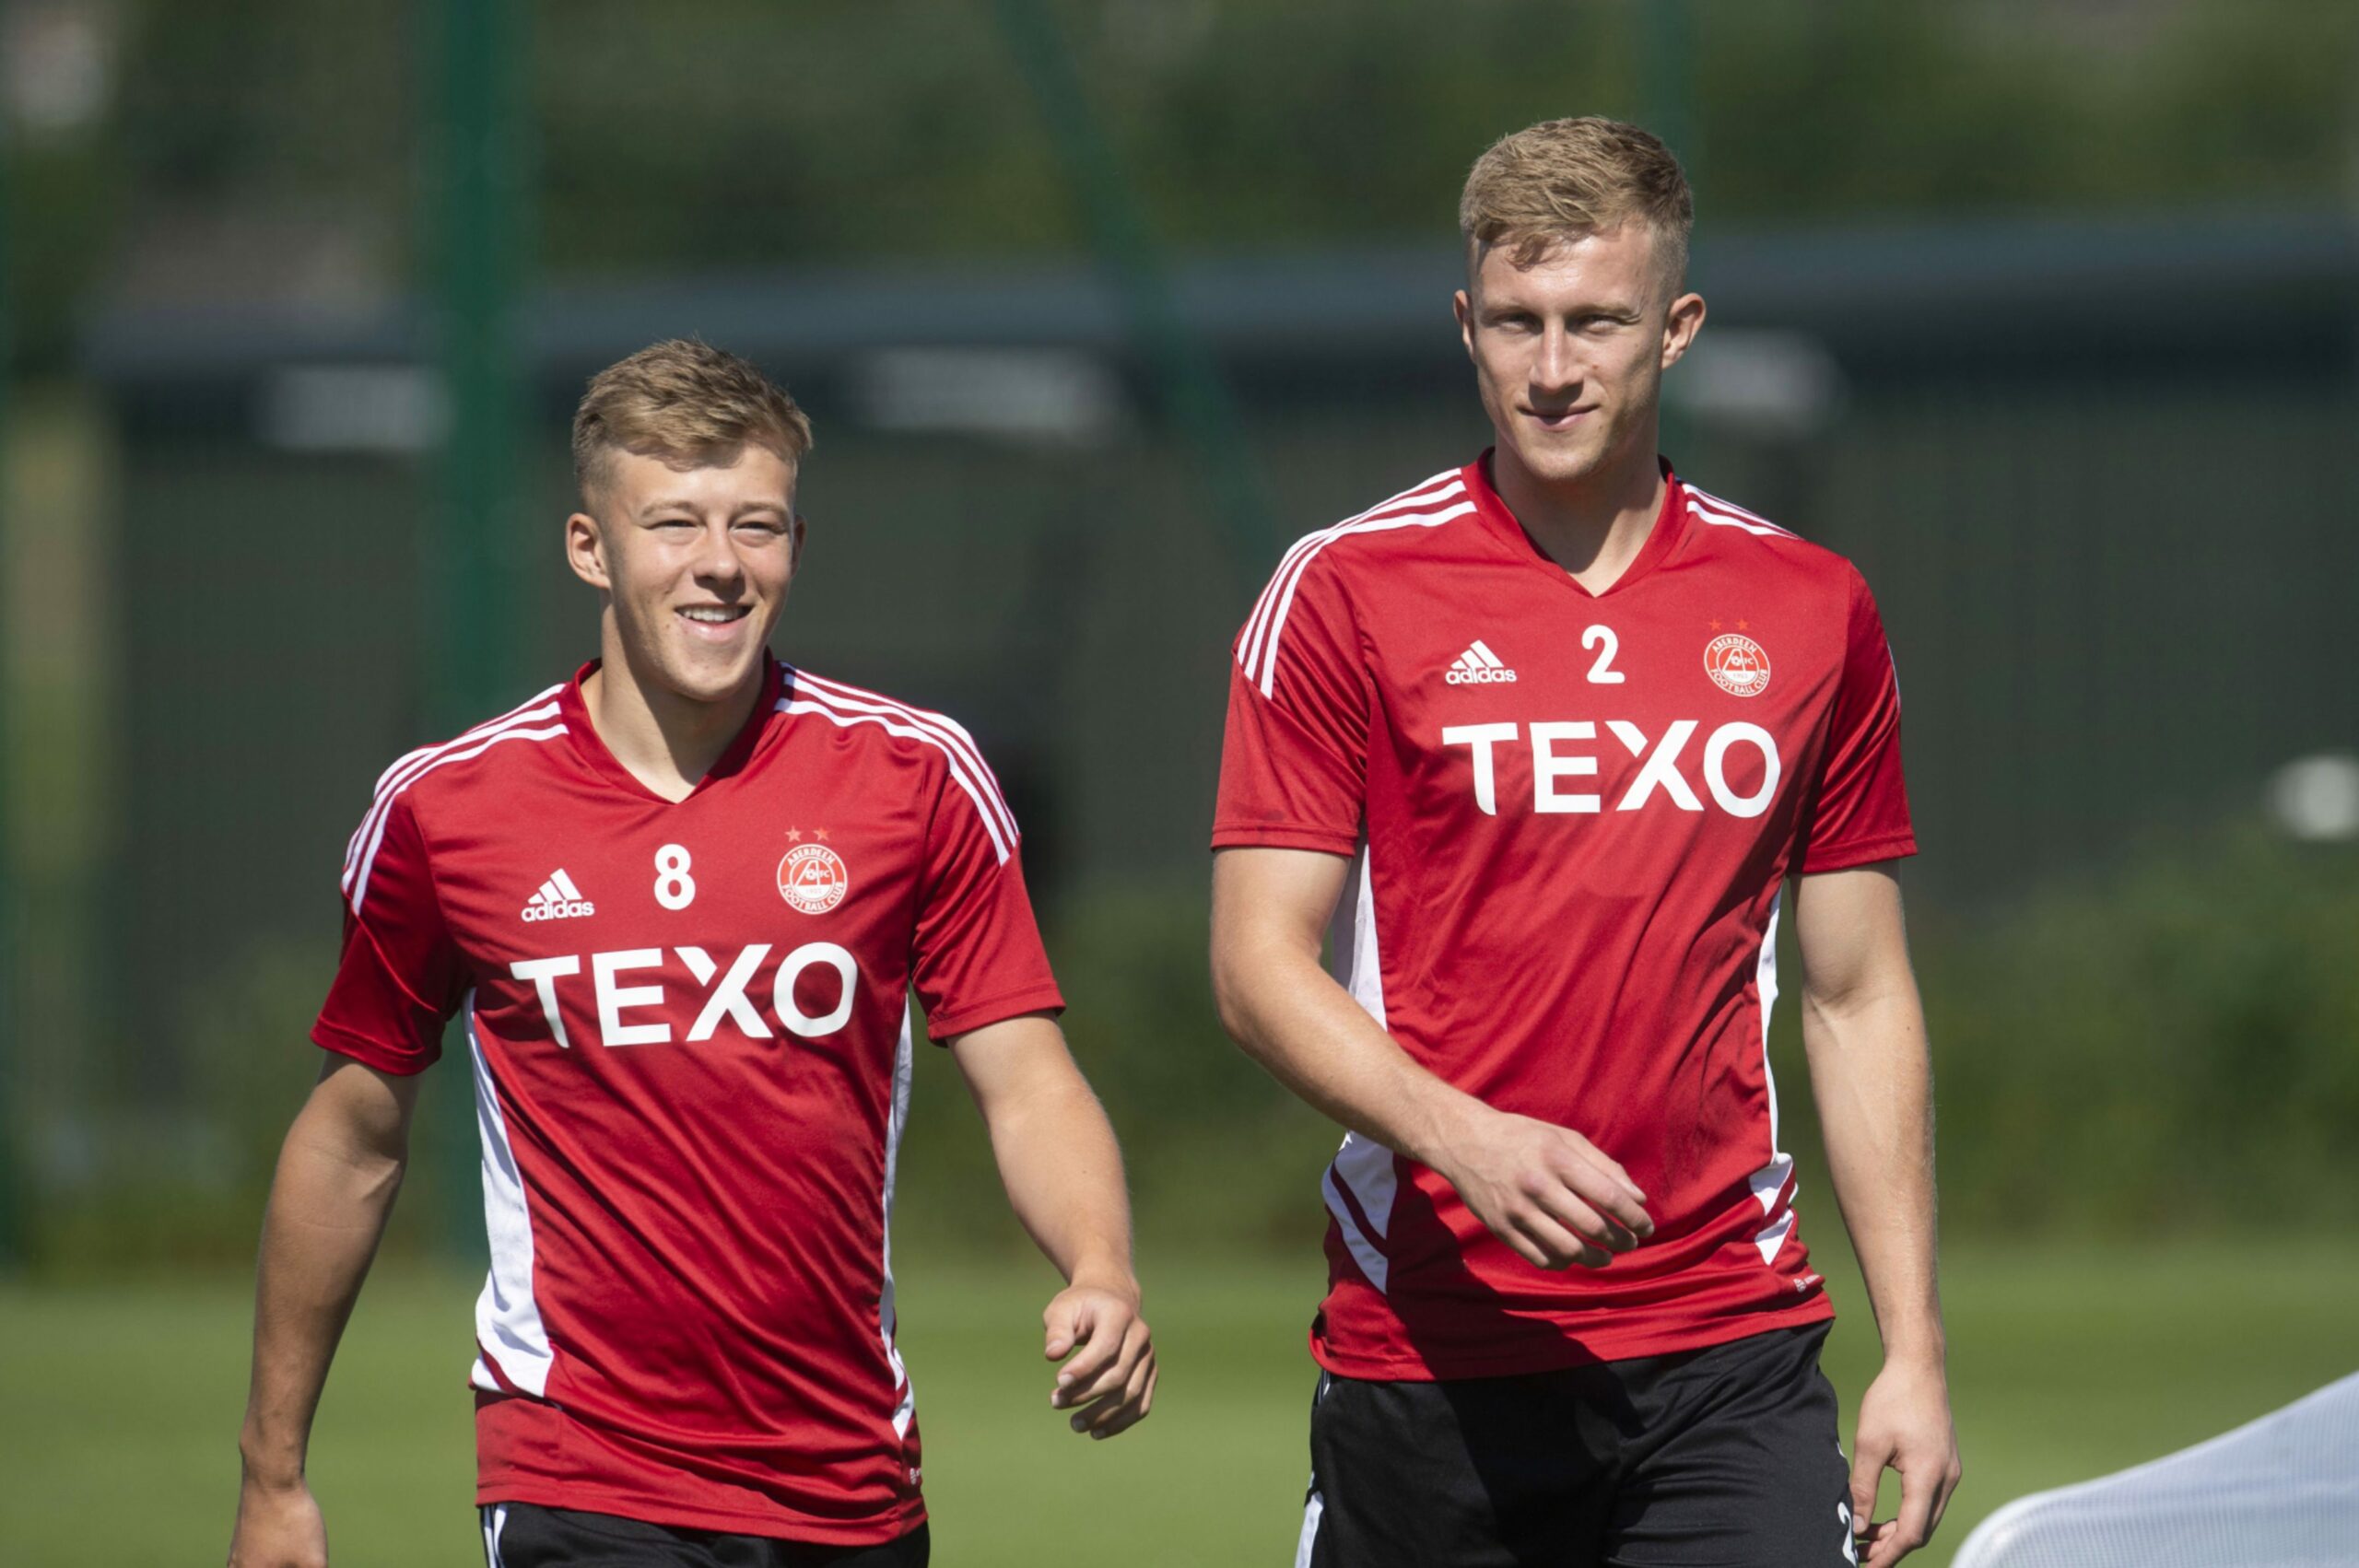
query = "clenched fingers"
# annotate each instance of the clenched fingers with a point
(1605, 1186)
(1540, 1237)
(1124, 1407)
(1078, 1386)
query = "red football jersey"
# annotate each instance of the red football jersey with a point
(690, 1031)
(1573, 813)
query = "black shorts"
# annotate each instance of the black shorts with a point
(525, 1535)
(1720, 1456)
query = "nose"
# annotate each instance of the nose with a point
(1555, 369)
(717, 560)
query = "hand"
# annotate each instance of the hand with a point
(1903, 1422)
(1546, 1190)
(278, 1526)
(1109, 1383)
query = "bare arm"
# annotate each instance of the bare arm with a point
(338, 1172)
(1063, 1173)
(1864, 1029)
(1542, 1190)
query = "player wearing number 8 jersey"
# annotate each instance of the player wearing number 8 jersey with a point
(679, 904)
(1553, 729)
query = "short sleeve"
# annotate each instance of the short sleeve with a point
(977, 957)
(1858, 808)
(1294, 761)
(400, 978)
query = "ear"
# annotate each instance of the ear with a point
(1461, 305)
(796, 531)
(1680, 324)
(585, 552)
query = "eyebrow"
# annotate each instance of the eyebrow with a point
(1590, 308)
(680, 503)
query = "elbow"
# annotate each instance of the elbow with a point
(1232, 989)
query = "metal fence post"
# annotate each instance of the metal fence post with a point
(476, 226)
(1190, 379)
(12, 1162)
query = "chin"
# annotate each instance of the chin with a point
(1558, 465)
(702, 682)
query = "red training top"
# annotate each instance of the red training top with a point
(690, 1031)
(1574, 812)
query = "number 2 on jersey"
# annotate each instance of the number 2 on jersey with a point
(1602, 673)
(675, 888)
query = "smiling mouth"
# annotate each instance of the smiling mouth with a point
(714, 614)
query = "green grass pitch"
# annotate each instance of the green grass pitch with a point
(122, 1401)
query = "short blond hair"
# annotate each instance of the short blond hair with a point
(686, 403)
(1568, 179)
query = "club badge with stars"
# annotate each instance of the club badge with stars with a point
(812, 877)
(1736, 662)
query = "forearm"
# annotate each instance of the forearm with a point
(1873, 1081)
(1288, 1013)
(328, 1206)
(1062, 1170)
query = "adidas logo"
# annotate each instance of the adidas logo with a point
(557, 899)
(1478, 666)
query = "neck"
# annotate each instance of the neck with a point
(1594, 526)
(667, 741)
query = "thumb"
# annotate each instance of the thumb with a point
(1065, 1328)
(1867, 1469)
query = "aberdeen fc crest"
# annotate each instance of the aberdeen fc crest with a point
(1736, 664)
(812, 878)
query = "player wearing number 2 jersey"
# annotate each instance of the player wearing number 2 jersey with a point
(679, 904)
(1556, 728)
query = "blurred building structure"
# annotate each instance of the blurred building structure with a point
(2099, 475)
(2100, 469)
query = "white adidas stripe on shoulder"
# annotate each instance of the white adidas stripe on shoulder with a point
(1728, 514)
(1248, 645)
(518, 726)
(1430, 508)
(954, 736)
(846, 706)
(422, 761)
(535, 706)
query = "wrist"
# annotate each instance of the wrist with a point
(1922, 1350)
(270, 1474)
(1447, 1121)
(1106, 1271)
(268, 1465)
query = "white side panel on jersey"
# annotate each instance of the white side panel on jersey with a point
(1361, 1167)
(1771, 1179)
(509, 1331)
(1361, 969)
(904, 1065)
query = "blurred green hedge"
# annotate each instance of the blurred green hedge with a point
(2173, 1046)
(2169, 1046)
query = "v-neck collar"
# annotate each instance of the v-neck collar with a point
(587, 744)
(1669, 523)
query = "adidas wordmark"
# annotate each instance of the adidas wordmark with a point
(557, 899)
(1477, 666)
